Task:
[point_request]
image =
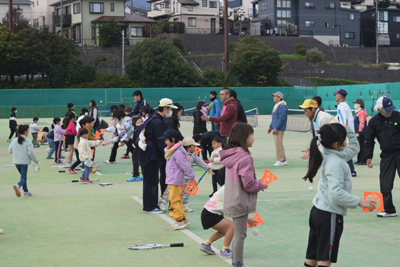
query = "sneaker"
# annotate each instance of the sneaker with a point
(140, 178)
(207, 249)
(109, 162)
(62, 157)
(93, 170)
(125, 157)
(27, 194)
(58, 162)
(71, 171)
(81, 179)
(132, 179)
(280, 163)
(87, 181)
(227, 254)
(95, 165)
(188, 209)
(49, 158)
(362, 163)
(155, 211)
(129, 172)
(16, 189)
(353, 174)
(206, 161)
(210, 195)
(187, 223)
(385, 214)
(177, 226)
(162, 206)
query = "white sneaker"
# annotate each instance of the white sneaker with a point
(280, 163)
(177, 226)
(188, 209)
(162, 206)
(385, 214)
(27, 194)
(187, 223)
(109, 162)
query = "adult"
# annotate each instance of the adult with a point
(172, 122)
(228, 115)
(205, 140)
(385, 127)
(318, 99)
(94, 113)
(317, 117)
(199, 126)
(151, 159)
(241, 115)
(118, 116)
(360, 127)
(215, 110)
(345, 116)
(70, 110)
(140, 102)
(278, 127)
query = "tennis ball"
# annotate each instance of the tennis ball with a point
(255, 232)
(101, 101)
(311, 188)
(1, 231)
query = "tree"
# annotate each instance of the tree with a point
(10, 57)
(158, 63)
(253, 61)
(110, 33)
(383, 3)
(19, 21)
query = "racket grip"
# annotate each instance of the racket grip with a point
(74, 181)
(177, 245)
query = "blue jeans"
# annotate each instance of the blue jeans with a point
(52, 147)
(214, 127)
(86, 172)
(23, 170)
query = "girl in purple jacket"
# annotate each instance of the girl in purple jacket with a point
(241, 185)
(58, 138)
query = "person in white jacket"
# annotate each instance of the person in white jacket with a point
(22, 150)
(85, 153)
(215, 164)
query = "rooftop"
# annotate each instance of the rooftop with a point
(127, 18)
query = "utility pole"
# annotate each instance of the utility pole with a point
(376, 31)
(226, 46)
(61, 18)
(123, 52)
(10, 15)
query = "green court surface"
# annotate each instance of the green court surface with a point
(75, 224)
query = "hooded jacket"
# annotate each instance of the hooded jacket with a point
(177, 165)
(279, 117)
(241, 115)
(241, 184)
(58, 133)
(215, 110)
(228, 117)
(22, 154)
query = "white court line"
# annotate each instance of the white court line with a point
(185, 231)
(98, 173)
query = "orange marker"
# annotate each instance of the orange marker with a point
(257, 218)
(197, 150)
(191, 189)
(377, 198)
(268, 177)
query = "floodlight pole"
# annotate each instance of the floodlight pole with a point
(226, 46)
(376, 31)
(10, 15)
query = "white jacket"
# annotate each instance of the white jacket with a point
(84, 146)
(216, 165)
(344, 115)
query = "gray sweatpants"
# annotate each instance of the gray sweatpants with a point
(34, 140)
(240, 233)
(185, 196)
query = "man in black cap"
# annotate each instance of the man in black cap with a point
(385, 127)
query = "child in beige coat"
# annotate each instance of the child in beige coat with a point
(85, 153)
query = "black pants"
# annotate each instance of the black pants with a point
(129, 147)
(78, 161)
(114, 152)
(135, 161)
(351, 165)
(13, 130)
(360, 156)
(390, 162)
(224, 141)
(58, 151)
(150, 185)
(215, 181)
(163, 176)
(207, 148)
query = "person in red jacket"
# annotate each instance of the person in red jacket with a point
(228, 115)
(70, 130)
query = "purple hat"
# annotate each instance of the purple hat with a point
(341, 92)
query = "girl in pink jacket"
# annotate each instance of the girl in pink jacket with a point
(70, 130)
(241, 185)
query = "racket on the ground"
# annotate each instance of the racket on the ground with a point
(154, 246)
(76, 181)
(35, 167)
(104, 184)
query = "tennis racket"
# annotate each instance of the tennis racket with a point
(76, 181)
(35, 167)
(104, 184)
(154, 246)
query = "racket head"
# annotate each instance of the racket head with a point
(35, 167)
(146, 246)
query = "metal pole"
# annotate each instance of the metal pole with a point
(226, 44)
(10, 15)
(61, 18)
(123, 52)
(376, 31)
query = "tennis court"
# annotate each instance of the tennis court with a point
(75, 224)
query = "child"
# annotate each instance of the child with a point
(189, 145)
(85, 153)
(84, 113)
(82, 125)
(145, 111)
(129, 147)
(334, 192)
(215, 164)
(176, 169)
(70, 130)
(22, 150)
(42, 136)
(200, 126)
(135, 155)
(34, 131)
(90, 122)
(213, 217)
(241, 185)
(58, 138)
(13, 124)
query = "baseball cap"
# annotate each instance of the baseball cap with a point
(309, 103)
(166, 102)
(386, 103)
(188, 141)
(170, 133)
(278, 94)
(341, 92)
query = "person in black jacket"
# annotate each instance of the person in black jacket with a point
(70, 110)
(13, 124)
(199, 125)
(241, 115)
(205, 140)
(385, 127)
(173, 121)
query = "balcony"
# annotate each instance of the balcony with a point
(159, 12)
(66, 20)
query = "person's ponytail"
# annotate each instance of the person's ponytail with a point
(21, 130)
(315, 160)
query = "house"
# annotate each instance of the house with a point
(199, 17)
(326, 21)
(364, 5)
(82, 18)
(388, 27)
(42, 14)
(23, 6)
(136, 10)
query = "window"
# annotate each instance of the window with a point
(383, 27)
(136, 32)
(93, 32)
(330, 5)
(283, 13)
(309, 5)
(383, 15)
(396, 18)
(35, 23)
(204, 3)
(176, 20)
(77, 33)
(326, 24)
(192, 22)
(77, 8)
(250, 12)
(177, 7)
(349, 35)
(264, 6)
(190, 8)
(397, 36)
(349, 16)
(112, 7)
(58, 12)
(96, 8)
(279, 13)
(283, 3)
(213, 4)
(67, 10)
(309, 23)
